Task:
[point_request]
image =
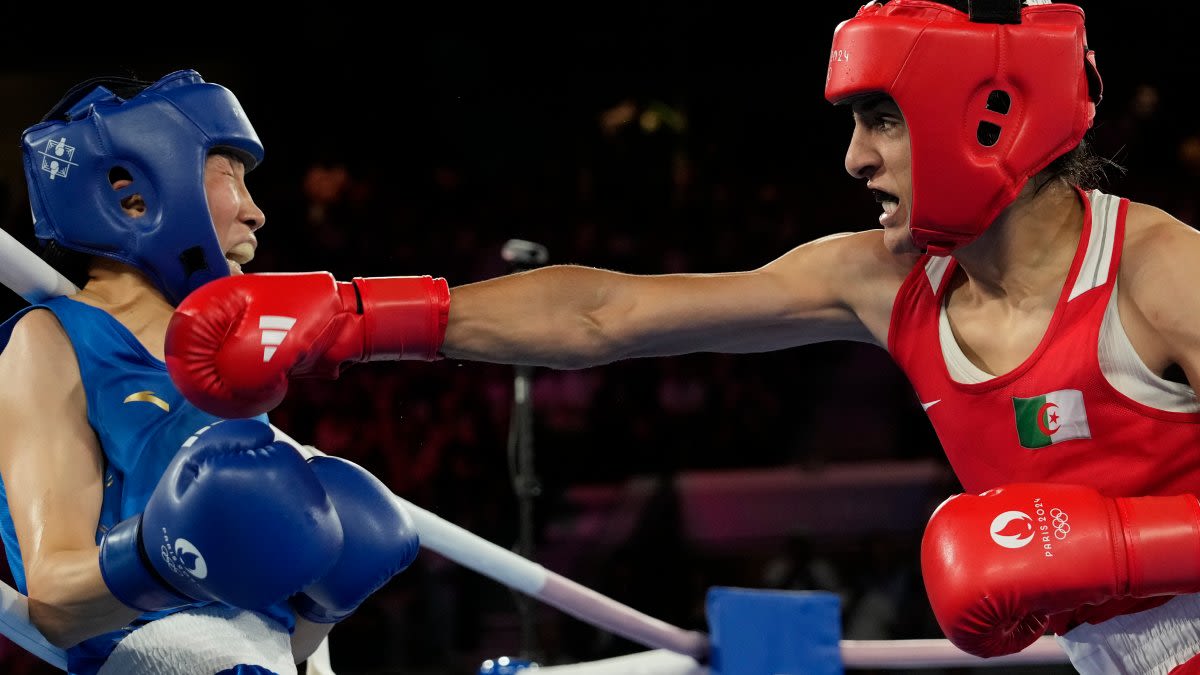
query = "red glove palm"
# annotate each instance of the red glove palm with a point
(233, 344)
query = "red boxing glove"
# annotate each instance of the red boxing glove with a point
(233, 344)
(998, 564)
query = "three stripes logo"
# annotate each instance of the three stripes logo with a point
(274, 330)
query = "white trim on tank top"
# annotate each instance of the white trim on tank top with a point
(1119, 362)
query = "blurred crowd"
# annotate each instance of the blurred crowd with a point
(637, 184)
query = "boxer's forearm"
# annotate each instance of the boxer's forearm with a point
(68, 600)
(574, 317)
(562, 316)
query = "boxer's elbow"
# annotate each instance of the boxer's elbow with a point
(68, 604)
(54, 622)
(586, 341)
(579, 336)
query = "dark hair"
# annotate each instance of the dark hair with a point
(1080, 166)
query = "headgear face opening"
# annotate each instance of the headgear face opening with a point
(161, 138)
(989, 100)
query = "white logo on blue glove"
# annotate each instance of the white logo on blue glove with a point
(189, 557)
(183, 558)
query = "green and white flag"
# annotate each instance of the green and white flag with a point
(1051, 418)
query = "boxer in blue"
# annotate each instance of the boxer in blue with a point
(149, 536)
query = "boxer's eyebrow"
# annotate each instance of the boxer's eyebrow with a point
(868, 103)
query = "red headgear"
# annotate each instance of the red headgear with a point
(989, 99)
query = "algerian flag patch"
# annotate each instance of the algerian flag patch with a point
(1051, 418)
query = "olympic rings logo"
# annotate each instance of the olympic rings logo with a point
(1058, 519)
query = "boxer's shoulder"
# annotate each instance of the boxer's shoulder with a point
(38, 347)
(1158, 271)
(1153, 238)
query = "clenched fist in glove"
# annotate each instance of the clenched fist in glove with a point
(233, 344)
(237, 517)
(998, 564)
(380, 541)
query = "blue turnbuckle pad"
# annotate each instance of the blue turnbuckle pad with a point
(757, 631)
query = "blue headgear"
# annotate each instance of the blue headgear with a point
(161, 137)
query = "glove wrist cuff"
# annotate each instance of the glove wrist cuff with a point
(1162, 543)
(404, 317)
(127, 571)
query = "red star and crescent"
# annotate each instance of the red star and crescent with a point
(1047, 415)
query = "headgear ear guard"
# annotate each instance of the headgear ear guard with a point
(161, 137)
(989, 98)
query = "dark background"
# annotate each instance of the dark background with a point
(658, 137)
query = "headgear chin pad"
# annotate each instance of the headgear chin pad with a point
(161, 138)
(989, 100)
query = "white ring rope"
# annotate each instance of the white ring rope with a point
(675, 650)
(862, 654)
(521, 574)
(28, 275)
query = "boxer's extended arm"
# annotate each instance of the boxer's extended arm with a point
(836, 288)
(233, 345)
(53, 475)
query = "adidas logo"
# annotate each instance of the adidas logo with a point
(274, 330)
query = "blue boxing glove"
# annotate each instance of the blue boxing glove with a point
(237, 517)
(381, 541)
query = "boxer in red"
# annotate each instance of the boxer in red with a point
(1048, 328)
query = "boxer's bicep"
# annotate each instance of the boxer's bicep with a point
(49, 458)
(839, 287)
(794, 300)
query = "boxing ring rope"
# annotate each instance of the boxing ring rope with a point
(521, 574)
(673, 650)
(862, 654)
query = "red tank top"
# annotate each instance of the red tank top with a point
(1055, 417)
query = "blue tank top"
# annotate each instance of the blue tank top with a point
(141, 420)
